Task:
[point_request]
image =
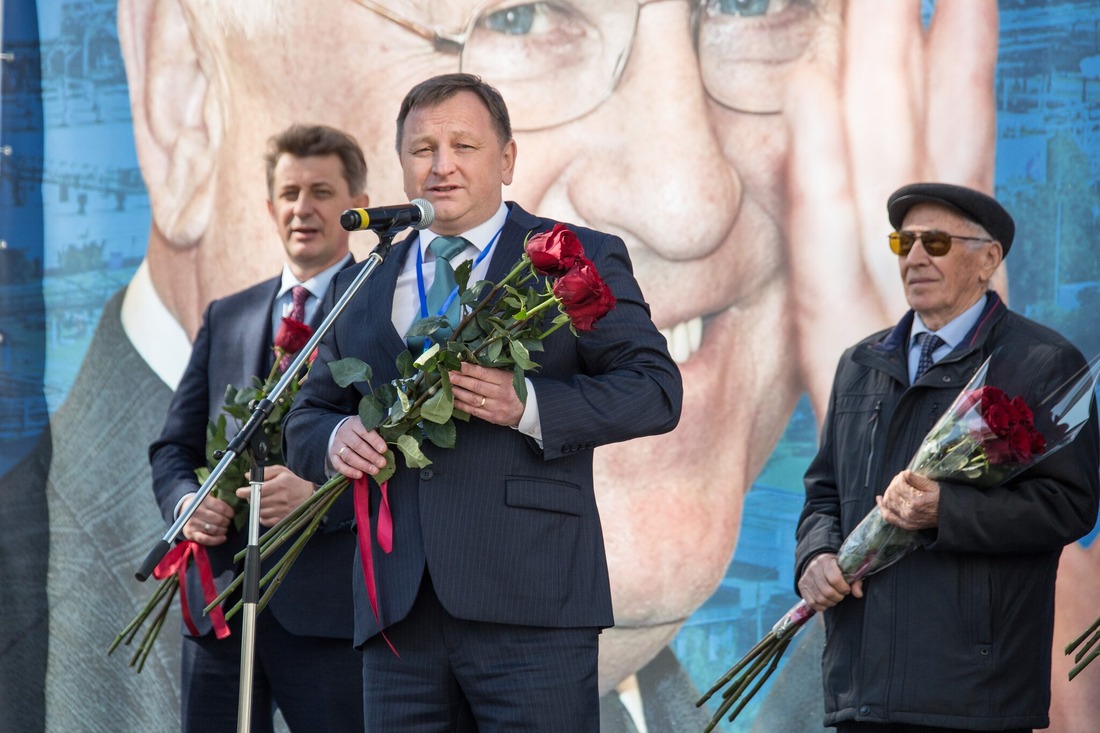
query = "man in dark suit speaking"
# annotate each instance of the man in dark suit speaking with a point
(304, 661)
(496, 587)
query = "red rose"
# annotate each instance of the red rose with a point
(1019, 442)
(292, 336)
(970, 399)
(992, 396)
(997, 451)
(998, 418)
(1023, 411)
(1038, 443)
(584, 295)
(555, 252)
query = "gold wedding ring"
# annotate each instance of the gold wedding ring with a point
(482, 402)
(206, 527)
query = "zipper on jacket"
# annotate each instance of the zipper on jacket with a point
(873, 420)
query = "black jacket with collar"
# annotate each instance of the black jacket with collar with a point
(958, 633)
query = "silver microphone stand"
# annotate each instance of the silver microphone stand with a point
(252, 438)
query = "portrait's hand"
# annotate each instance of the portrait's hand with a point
(903, 105)
(210, 522)
(282, 493)
(1075, 705)
(488, 394)
(356, 450)
(822, 584)
(911, 502)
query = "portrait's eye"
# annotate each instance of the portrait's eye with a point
(749, 7)
(561, 51)
(512, 21)
(747, 48)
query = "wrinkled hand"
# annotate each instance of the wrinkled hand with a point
(282, 493)
(911, 502)
(903, 105)
(822, 584)
(488, 394)
(356, 451)
(210, 522)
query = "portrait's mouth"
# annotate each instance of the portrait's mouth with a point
(684, 339)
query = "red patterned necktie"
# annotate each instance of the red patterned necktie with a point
(298, 296)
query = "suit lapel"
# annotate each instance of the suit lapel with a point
(384, 286)
(258, 355)
(509, 248)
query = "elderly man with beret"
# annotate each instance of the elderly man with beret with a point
(957, 635)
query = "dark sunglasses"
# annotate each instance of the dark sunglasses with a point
(936, 243)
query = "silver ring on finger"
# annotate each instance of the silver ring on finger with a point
(206, 527)
(482, 404)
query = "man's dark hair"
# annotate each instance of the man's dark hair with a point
(304, 141)
(439, 89)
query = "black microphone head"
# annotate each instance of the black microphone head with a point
(427, 213)
(351, 220)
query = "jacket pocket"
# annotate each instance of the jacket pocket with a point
(550, 496)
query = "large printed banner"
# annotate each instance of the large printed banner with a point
(744, 150)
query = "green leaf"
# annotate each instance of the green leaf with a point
(386, 394)
(472, 295)
(400, 408)
(451, 361)
(405, 364)
(441, 435)
(371, 413)
(386, 472)
(462, 274)
(426, 357)
(409, 446)
(519, 383)
(346, 372)
(439, 406)
(520, 355)
(426, 326)
(492, 352)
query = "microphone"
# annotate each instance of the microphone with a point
(418, 214)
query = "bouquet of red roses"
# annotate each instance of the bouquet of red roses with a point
(984, 439)
(290, 339)
(503, 324)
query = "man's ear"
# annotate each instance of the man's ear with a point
(176, 114)
(994, 256)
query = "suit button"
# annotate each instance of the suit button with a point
(426, 474)
(864, 710)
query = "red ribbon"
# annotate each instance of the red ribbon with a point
(175, 563)
(361, 494)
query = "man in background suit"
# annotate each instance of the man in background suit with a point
(304, 660)
(496, 588)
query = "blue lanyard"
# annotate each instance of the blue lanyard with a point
(454, 293)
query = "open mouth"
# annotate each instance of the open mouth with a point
(684, 339)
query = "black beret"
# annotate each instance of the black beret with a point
(974, 205)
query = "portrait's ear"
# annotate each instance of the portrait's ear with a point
(176, 114)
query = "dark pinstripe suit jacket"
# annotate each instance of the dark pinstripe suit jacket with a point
(510, 533)
(232, 346)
